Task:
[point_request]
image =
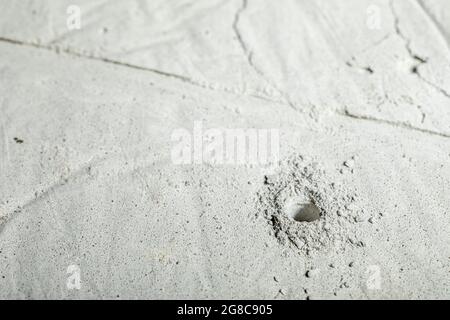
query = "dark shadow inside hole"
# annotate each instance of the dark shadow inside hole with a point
(303, 212)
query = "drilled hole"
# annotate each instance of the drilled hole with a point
(302, 211)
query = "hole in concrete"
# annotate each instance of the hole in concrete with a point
(302, 211)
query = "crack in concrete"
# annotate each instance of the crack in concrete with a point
(353, 64)
(397, 124)
(407, 41)
(83, 171)
(434, 21)
(57, 49)
(249, 54)
(423, 114)
(420, 60)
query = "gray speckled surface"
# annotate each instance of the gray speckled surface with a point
(92, 205)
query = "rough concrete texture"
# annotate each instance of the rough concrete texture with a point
(93, 206)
